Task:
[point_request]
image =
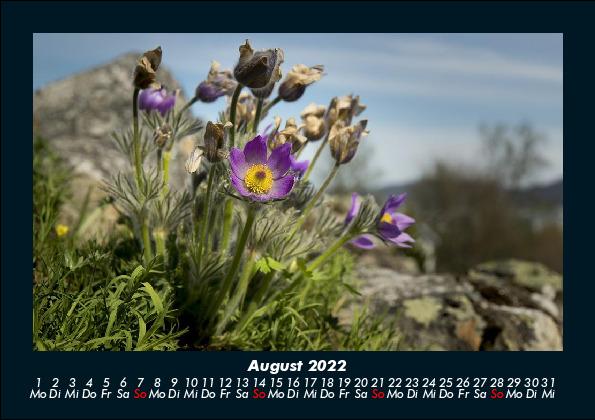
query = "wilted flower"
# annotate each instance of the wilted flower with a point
(156, 99)
(296, 81)
(298, 168)
(260, 178)
(343, 108)
(390, 226)
(194, 160)
(344, 140)
(214, 140)
(290, 134)
(145, 72)
(313, 122)
(61, 230)
(245, 109)
(162, 135)
(266, 91)
(256, 69)
(218, 83)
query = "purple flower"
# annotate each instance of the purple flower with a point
(390, 226)
(217, 84)
(260, 178)
(156, 99)
(299, 168)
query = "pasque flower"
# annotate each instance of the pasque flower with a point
(217, 84)
(258, 177)
(314, 127)
(145, 72)
(156, 99)
(298, 168)
(290, 134)
(344, 140)
(390, 225)
(343, 108)
(214, 140)
(256, 69)
(296, 81)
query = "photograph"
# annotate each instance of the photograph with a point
(297, 191)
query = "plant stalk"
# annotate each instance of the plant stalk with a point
(315, 158)
(257, 115)
(232, 114)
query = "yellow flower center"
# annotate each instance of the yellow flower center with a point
(386, 218)
(61, 230)
(259, 179)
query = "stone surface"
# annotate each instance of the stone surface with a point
(78, 115)
(509, 305)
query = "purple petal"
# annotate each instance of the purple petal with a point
(393, 202)
(281, 188)
(403, 221)
(279, 161)
(388, 231)
(255, 151)
(299, 168)
(166, 104)
(363, 242)
(239, 186)
(238, 163)
(354, 208)
(403, 240)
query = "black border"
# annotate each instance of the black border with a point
(573, 367)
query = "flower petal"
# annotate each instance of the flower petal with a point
(388, 231)
(255, 151)
(403, 240)
(354, 208)
(403, 221)
(237, 162)
(393, 203)
(240, 186)
(363, 242)
(279, 161)
(298, 167)
(281, 188)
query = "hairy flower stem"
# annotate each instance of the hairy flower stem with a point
(302, 219)
(315, 158)
(271, 104)
(235, 263)
(138, 167)
(206, 213)
(160, 236)
(232, 114)
(138, 164)
(227, 221)
(166, 160)
(330, 251)
(257, 115)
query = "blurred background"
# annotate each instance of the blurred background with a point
(470, 125)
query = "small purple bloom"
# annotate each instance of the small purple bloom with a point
(260, 178)
(217, 84)
(299, 168)
(156, 99)
(391, 225)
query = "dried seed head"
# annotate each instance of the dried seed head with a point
(344, 140)
(214, 140)
(256, 69)
(343, 108)
(145, 72)
(162, 135)
(194, 160)
(290, 134)
(314, 127)
(296, 81)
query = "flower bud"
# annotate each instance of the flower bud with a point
(343, 108)
(266, 91)
(314, 127)
(145, 72)
(296, 81)
(256, 69)
(290, 134)
(214, 140)
(156, 100)
(344, 140)
(217, 84)
(162, 135)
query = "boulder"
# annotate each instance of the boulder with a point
(506, 305)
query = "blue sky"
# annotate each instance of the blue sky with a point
(426, 93)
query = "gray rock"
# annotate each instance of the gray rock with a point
(510, 305)
(78, 115)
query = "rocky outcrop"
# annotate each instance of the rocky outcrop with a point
(509, 305)
(78, 115)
